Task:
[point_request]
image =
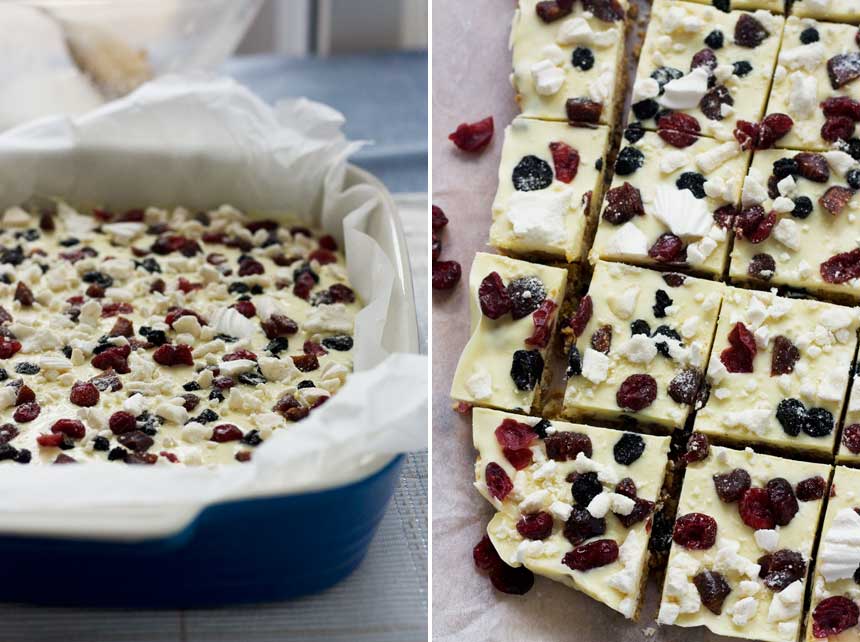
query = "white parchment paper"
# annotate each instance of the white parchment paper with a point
(200, 142)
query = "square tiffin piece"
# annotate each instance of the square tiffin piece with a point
(849, 444)
(642, 341)
(816, 82)
(799, 221)
(550, 180)
(514, 307)
(568, 65)
(839, 10)
(669, 205)
(833, 611)
(712, 66)
(574, 502)
(774, 6)
(778, 373)
(741, 544)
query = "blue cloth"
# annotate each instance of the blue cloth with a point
(383, 96)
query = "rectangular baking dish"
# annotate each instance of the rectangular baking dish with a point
(255, 549)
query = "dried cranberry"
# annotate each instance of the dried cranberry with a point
(684, 385)
(749, 32)
(279, 325)
(581, 525)
(583, 315)
(511, 580)
(73, 428)
(583, 110)
(309, 347)
(170, 355)
(738, 357)
(622, 204)
(542, 319)
(713, 589)
(473, 137)
(114, 358)
(772, 128)
(8, 348)
(8, 432)
(565, 445)
(837, 128)
(485, 555)
(636, 392)
(841, 268)
(515, 435)
(304, 283)
(667, 248)
(843, 68)
(712, 102)
(122, 327)
(833, 615)
(446, 274)
(239, 354)
(323, 257)
(812, 166)
(785, 355)
(762, 266)
(601, 339)
(678, 129)
(835, 199)
(25, 395)
(698, 448)
(24, 295)
(841, 106)
(84, 394)
(223, 433)
(27, 412)
(811, 488)
(782, 500)
(498, 483)
(591, 555)
(756, 510)
(306, 362)
(641, 510)
(695, 531)
(851, 438)
(746, 133)
(552, 10)
(493, 296)
(704, 58)
(762, 229)
(566, 161)
(122, 422)
(438, 220)
(53, 440)
(519, 459)
(781, 568)
(535, 525)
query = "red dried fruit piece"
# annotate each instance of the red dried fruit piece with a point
(622, 204)
(485, 555)
(762, 266)
(762, 230)
(747, 221)
(313, 348)
(851, 438)
(668, 248)
(446, 274)
(222, 383)
(114, 358)
(566, 161)
(438, 220)
(684, 386)
(306, 362)
(812, 166)
(304, 285)
(695, 531)
(170, 355)
(581, 526)
(755, 509)
(323, 257)
(641, 510)
(5, 317)
(835, 199)
(698, 448)
(833, 615)
(535, 525)
(341, 293)
(27, 412)
(601, 339)
(107, 381)
(566, 445)
(24, 295)
(678, 129)
(626, 487)
(712, 102)
(749, 32)
(512, 581)
(25, 395)
(704, 58)
(812, 488)
(591, 555)
(84, 394)
(605, 10)
(772, 128)
(70, 427)
(782, 500)
(514, 434)
(493, 296)
(781, 568)
(50, 441)
(245, 308)
(498, 483)
(551, 10)
(95, 291)
(837, 128)
(519, 459)
(636, 392)
(843, 68)
(8, 432)
(583, 110)
(841, 106)
(8, 348)
(738, 357)
(583, 315)
(842, 267)
(542, 319)
(223, 433)
(174, 314)
(186, 286)
(279, 325)
(713, 590)
(122, 422)
(158, 286)
(241, 353)
(785, 355)
(122, 327)
(746, 133)
(113, 309)
(473, 137)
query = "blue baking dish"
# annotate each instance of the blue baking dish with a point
(253, 549)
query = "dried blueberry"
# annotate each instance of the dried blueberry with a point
(149, 264)
(541, 427)
(741, 68)
(526, 369)
(24, 456)
(645, 109)
(665, 331)
(634, 132)
(809, 35)
(585, 487)
(662, 301)
(237, 287)
(118, 453)
(629, 160)
(715, 39)
(663, 75)
(305, 383)
(819, 422)
(252, 378)
(252, 438)
(277, 345)
(99, 278)
(852, 148)
(692, 181)
(191, 386)
(802, 207)
(853, 178)
(531, 174)
(206, 416)
(27, 368)
(526, 294)
(628, 449)
(574, 362)
(791, 415)
(339, 342)
(583, 58)
(783, 167)
(640, 326)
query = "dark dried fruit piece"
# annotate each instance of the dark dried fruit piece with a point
(485, 555)
(493, 296)
(835, 199)
(772, 128)
(704, 58)
(514, 434)
(542, 319)
(785, 355)
(678, 129)
(837, 128)
(755, 509)
(473, 137)
(713, 589)
(791, 415)
(782, 500)
(811, 488)
(584, 487)
(731, 486)
(574, 362)
(712, 102)
(628, 448)
(526, 369)
(551, 10)
(628, 161)
(583, 315)
(746, 133)
(661, 301)
(749, 32)
(668, 248)
(601, 339)
(833, 615)
(581, 526)
(762, 266)
(535, 526)
(498, 483)
(526, 295)
(843, 68)
(583, 110)
(851, 438)
(84, 394)
(531, 174)
(605, 10)
(438, 220)
(592, 555)
(446, 274)
(622, 204)
(812, 166)
(842, 267)
(566, 161)
(637, 392)
(695, 531)
(738, 357)
(819, 422)
(698, 448)
(781, 568)
(511, 580)
(641, 510)
(582, 58)
(843, 106)
(565, 445)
